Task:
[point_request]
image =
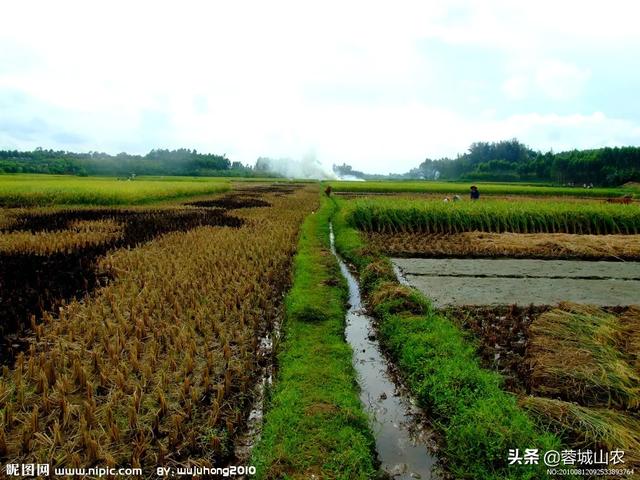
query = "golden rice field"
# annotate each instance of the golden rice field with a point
(154, 365)
(79, 234)
(133, 334)
(38, 190)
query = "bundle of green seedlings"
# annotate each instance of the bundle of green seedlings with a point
(158, 366)
(437, 217)
(585, 361)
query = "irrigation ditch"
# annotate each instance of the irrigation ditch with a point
(405, 445)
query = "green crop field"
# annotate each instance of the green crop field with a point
(36, 190)
(462, 188)
(388, 215)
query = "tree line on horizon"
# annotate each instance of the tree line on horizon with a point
(511, 161)
(504, 161)
(180, 162)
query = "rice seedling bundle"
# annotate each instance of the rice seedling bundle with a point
(157, 367)
(437, 217)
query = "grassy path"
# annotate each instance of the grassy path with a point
(315, 423)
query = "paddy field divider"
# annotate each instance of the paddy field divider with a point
(315, 424)
(479, 422)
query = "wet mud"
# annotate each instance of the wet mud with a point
(502, 336)
(523, 282)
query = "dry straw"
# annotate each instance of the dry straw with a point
(480, 244)
(588, 427)
(574, 353)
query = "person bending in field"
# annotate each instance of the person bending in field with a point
(475, 193)
(327, 191)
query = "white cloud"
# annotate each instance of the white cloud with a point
(554, 79)
(566, 132)
(516, 86)
(347, 80)
(561, 80)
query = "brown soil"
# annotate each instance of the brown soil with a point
(502, 334)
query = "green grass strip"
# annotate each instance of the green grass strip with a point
(315, 423)
(479, 421)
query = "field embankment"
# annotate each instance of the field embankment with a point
(478, 420)
(315, 426)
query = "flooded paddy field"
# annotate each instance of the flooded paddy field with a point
(522, 281)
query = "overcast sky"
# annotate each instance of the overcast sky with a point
(380, 86)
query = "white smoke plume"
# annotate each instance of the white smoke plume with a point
(307, 168)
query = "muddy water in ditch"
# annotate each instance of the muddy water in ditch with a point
(401, 440)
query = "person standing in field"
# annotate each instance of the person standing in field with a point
(475, 193)
(327, 191)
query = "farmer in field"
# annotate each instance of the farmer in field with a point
(327, 191)
(475, 193)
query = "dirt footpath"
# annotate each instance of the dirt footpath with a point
(523, 282)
